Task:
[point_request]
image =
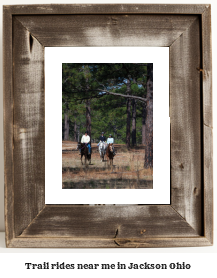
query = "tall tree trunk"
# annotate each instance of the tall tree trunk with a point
(143, 122)
(88, 117)
(149, 120)
(128, 122)
(75, 131)
(133, 122)
(78, 133)
(128, 114)
(88, 111)
(66, 129)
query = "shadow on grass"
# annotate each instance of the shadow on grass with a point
(85, 168)
(109, 184)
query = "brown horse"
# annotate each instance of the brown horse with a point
(110, 153)
(84, 152)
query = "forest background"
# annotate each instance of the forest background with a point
(113, 98)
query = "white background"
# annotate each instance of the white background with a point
(202, 259)
(159, 56)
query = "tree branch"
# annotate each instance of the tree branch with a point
(121, 95)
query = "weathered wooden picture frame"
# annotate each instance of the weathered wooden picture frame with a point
(186, 30)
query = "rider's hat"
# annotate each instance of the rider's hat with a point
(86, 131)
(102, 132)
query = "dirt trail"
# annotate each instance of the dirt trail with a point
(127, 170)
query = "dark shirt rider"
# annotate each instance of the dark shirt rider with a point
(102, 138)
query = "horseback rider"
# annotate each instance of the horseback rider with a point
(86, 139)
(102, 138)
(110, 140)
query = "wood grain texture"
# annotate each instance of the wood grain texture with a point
(109, 221)
(185, 113)
(107, 30)
(106, 9)
(208, 183)
(207, 123)
(29, 139)
(34, 242)
(207, 67)
(8, 126)
(29, 223)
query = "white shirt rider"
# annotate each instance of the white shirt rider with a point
(110, 140)
(85, 139)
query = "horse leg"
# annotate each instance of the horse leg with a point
(81, 159)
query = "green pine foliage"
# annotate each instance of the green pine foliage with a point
(108, 112)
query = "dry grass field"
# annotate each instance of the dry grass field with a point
(127, 171)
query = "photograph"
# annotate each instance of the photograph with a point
(107, 125)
